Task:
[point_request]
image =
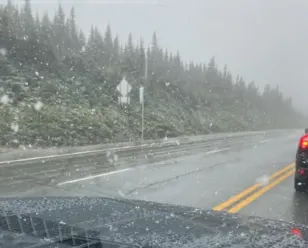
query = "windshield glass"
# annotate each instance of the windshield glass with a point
(193, 105)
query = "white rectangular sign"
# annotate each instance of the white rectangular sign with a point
(124, 100)
(141, 94)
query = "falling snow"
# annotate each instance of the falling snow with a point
(3, 51)
(38, 105)
(108, 122)
(115, 157)
(15, 127)
(5, 99)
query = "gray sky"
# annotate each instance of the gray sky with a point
(262, 40)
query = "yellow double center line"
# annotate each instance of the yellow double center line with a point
(242, 199)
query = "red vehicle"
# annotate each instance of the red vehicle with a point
(301, 164)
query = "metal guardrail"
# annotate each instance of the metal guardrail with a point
(106, 157)
(60, 153)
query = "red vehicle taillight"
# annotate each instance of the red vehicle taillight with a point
(301, 172)
(303, 142)
(297, 232)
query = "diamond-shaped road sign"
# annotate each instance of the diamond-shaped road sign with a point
(124, 87)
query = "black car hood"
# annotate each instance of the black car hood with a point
(156, 225)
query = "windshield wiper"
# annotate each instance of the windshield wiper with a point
(49, 233)
(84, 242)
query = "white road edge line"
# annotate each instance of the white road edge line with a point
(220, 150)
(119, 171)
(95, 176)
(67, 154)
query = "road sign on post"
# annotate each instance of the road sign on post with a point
(124, 88)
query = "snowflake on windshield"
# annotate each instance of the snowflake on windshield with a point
(263, 180)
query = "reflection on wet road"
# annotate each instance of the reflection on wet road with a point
(252, 179)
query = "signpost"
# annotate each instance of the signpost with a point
(141, 99)
(124, 88)
(141, 95)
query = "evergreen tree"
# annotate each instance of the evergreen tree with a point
(60, 34)
(116, 52)
(28, 22)
(46, 34)
(74, 38)
(108, 47)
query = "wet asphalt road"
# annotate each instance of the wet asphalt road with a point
(206, 180)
